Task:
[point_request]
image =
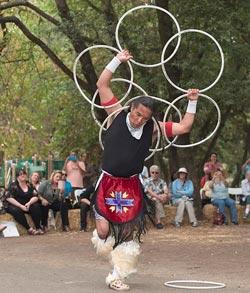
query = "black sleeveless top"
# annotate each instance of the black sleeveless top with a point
(123, 154)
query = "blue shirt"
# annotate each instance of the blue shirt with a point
(180, 189)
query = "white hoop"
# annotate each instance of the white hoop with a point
(203, 140)
(196, 31)
(78, 86)
(158, 133)
(113, 113)
(153, 7)
(114, 79)
(216, 285)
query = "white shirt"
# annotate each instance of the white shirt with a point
(135, 132)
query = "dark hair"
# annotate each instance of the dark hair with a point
(213, 153)
(145, 101)
(20, 172)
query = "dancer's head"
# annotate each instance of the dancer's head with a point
(142, 110)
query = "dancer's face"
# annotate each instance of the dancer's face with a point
(139, 115)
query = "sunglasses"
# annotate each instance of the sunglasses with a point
(154, 172)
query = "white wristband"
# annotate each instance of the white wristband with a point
(113, 64)
(191, 108)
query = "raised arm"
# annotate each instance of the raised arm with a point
(184, 126)
(103, 84)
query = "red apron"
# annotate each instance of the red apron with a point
(119, 200)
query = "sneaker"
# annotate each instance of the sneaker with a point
(194, 224)
(235, 223)
(177, 224)
(245, 216)
(159, 226)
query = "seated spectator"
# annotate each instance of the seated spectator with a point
(52, 198)
(182, 197)
(157, 190)
(245, 167)
(220, 197)
(35, 180)
(206, 192)
(20, 200)
(206, 177)
(245, 185)
(66, 188)
(212, 165)
(75, 170)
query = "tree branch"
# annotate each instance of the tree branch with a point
(44, 47)
(93, 6)
(40, 12)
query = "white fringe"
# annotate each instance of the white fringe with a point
(124, 258)
(103, 247)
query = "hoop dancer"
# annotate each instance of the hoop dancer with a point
(118, 203)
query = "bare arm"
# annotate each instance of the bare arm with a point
(184, 126)
(103, 83)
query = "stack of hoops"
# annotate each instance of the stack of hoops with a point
(133, 84)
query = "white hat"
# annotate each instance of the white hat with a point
(182, 170)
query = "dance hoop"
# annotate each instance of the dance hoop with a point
(114, 79)
(112, 114)
(153, 7)
(78, 86)
(203, 140)
(214, 285)
(156, 149)
(195, 31)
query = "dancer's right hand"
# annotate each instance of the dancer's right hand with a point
(124, 56)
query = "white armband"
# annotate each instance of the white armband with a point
(113, 64)
(191, 108)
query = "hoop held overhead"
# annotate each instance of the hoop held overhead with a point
(150, 7)
(195, 31)
(76, 80)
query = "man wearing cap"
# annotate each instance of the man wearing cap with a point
(182, 196)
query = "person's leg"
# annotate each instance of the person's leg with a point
(220, 203)
(180, 211)
(44, 218)
(247, 209)
(230, 203)
(18, 215)
(159, 213)
(84, 207)
(190, 209)
(36, 215)
(64, 209)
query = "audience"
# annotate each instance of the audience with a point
(220, 197)
(157, 190)
(245, 185)
(21, 199)
(53, 198)
(212, 165)
(182, 197)
(75, 170)
(206, 192)
(35, 180)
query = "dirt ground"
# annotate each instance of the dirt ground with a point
(66, 262)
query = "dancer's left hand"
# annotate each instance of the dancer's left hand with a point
(193, 94)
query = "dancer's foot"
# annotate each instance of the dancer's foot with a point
(118, 285)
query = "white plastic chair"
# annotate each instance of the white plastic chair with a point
(236, 191)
